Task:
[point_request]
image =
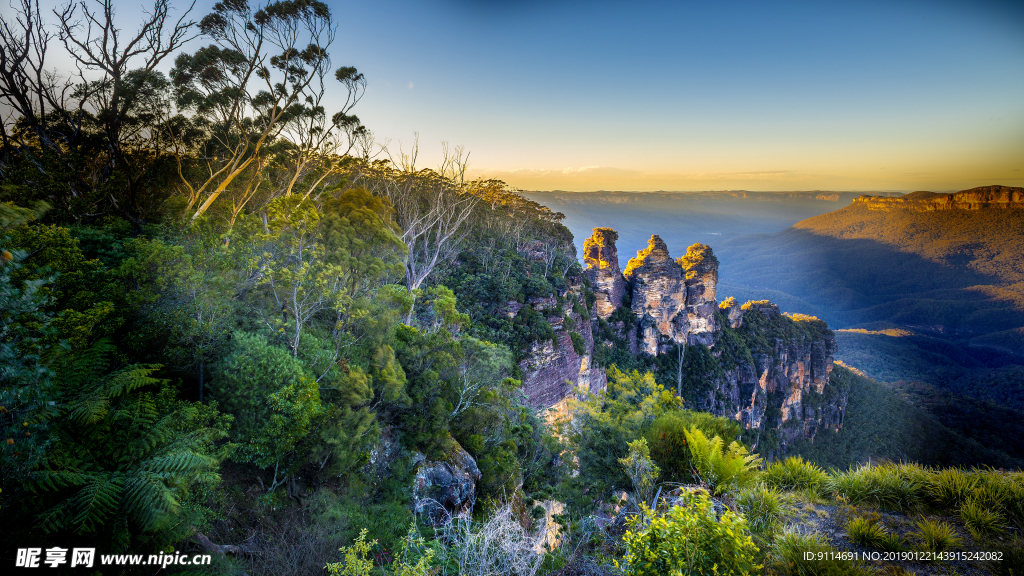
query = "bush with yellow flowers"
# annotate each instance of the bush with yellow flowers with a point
(688, 539)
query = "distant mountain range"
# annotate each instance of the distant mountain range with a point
(682, 218)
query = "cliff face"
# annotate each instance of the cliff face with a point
(973, 199)
(553, 369)
(601, 266)
(786, 389)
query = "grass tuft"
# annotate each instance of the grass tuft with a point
(866, 531)
(980, 520)
(794, 473)
(936, 536)
(788, 558)
(891, 486)
(762, 507)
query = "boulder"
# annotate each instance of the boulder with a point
(445, 488)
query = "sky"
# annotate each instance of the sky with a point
(711, 95)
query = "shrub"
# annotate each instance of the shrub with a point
(356, 562)
(667, 438)
(762, 508)
(721, 469)
(980, 520)
(936, 536)
(415, 558)
(866, 531)
(641, 470)
(689, 540)
(794, 473)
(578, 344)
(788, 558)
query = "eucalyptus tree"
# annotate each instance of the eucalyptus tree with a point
(262, 78)
(99, 125)
(431, 209)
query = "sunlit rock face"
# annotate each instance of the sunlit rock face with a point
(601, 265)
(979, 198)
(700, 269)
(656, 282)
(732, 311)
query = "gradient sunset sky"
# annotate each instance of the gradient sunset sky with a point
(711, 95)
(893, 95)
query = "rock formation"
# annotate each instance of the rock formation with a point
(601, 261)
(701, 272)
(553, 369)
(658, 297)
(445, 488)
(773, 375)
(732, 311)
(674, 300)
(973, 199)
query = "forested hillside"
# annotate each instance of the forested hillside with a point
(233, 325)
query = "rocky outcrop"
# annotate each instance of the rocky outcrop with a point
(656, 283)
(973, 199)
(771, 373)
(674, 300)
(552, 370)
(787, 387)
(445, 488)
(601, 266)
(733, 312)
(700, 268)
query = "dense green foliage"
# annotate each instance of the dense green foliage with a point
(690, 539)
(881, 424)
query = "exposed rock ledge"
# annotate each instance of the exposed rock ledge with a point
(973, 199)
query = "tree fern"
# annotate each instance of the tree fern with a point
(124, 450)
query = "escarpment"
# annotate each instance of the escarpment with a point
(768, 370)
(974, 199)
(553, 368)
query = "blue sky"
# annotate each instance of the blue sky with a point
(708, 95)
(894, 95)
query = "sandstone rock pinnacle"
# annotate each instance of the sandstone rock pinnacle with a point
(659, 296)
(601, 259)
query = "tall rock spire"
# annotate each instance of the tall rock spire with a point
(659, 296)
(701, 272)
(602, 269)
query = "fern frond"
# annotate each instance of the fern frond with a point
(131, 378)
(55, 519)
(97, 500)
(52, 480)
(177, 462)
(149, 500)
